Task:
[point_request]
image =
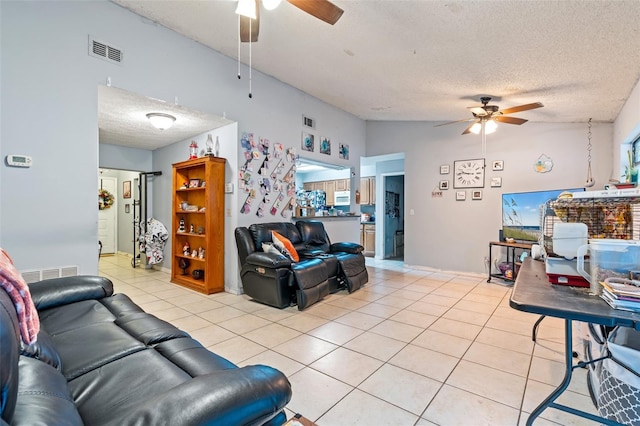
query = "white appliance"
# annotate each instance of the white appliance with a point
(342, 198)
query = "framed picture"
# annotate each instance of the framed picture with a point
(344, 151)
(461, 195)
(126, 189)
(497, 165)
(308, 141)
(496, 182)
(476, 194)
(444, 184)
(194, 183)
(203, 184)
(126, 208)
(325, 145)
(444, 169)
(468, 173)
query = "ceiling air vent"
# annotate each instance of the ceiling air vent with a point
(102, 50)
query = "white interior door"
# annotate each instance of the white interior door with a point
(107, 218)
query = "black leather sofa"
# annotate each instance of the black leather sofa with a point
(101, 360)
(323, 268)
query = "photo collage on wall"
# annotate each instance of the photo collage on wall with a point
(268, 177)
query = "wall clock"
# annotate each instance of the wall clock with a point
(468, 173)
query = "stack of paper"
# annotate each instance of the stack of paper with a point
(625, 296)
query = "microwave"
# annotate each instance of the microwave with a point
(342, 198)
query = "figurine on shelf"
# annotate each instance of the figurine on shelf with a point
(183, 264)
(209, 144)
(181, 227)
(201, 252)
(200, 230)
(186, 249)
(191, 229)
(194, 253)
(193, 150)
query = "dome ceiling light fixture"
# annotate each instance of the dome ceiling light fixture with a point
(161, 120)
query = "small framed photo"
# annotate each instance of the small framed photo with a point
(497, 165)
(461, 195)
(444, 169)
(203, 184)
(496, 182)
(127, 208)
(126, 189)
(476, 194)
(194, 183)
(444, 184)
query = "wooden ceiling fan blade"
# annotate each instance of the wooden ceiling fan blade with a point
(321, 9)
(510, 120)
(250, 28)
(522, 108)
(454, 122)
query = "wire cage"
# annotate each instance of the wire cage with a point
(605, 217)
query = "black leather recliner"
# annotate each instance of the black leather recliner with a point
(323, 268)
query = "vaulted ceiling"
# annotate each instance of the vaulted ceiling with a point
(430, 60)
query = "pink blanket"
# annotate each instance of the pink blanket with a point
(18, 290)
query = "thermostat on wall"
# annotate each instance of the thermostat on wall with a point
(19, 160)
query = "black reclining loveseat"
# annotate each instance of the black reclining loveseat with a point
(323, 267)
(101, 360)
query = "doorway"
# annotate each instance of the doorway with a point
(107, 216)
(116, 225)
(393, 227)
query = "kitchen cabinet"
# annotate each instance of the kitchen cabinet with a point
(368, 190)
(369, 239)
(330, 189)
(343, 184)
(307, 186)
(198, 224)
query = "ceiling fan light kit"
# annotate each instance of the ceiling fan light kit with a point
(485, 118)
(161, 120)
(271, 4)
(247, 8)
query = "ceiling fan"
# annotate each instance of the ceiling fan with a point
(249, 12)
(485, 116)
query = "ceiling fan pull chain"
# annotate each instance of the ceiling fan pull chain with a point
(239, 43)
(590, 181)
(250, 43)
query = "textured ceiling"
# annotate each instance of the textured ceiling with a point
(122, 120)
(430, 60)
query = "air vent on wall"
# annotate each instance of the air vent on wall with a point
(45, 274)
(102, 50)
(308, 122)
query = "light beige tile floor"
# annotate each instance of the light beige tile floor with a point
(409, 348)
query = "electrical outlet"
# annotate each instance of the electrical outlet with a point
(411, 212)
(228, 212)
(228, 188)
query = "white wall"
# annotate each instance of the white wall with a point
(49, 111)
(454, 235)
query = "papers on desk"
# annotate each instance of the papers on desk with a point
(621, 296)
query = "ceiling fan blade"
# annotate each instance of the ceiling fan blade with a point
(453, 122)
(479, 111)
(522, 108)
(253, 24)
(468, 129)
(510, 120)
(321, 9)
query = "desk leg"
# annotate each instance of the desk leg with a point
(489, 279)
(549, 401)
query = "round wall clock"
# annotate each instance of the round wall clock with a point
(468, 173)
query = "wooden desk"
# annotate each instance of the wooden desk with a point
(534, 293)
(511, 257)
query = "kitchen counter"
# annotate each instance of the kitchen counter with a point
(339, 228)
(324, 217)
